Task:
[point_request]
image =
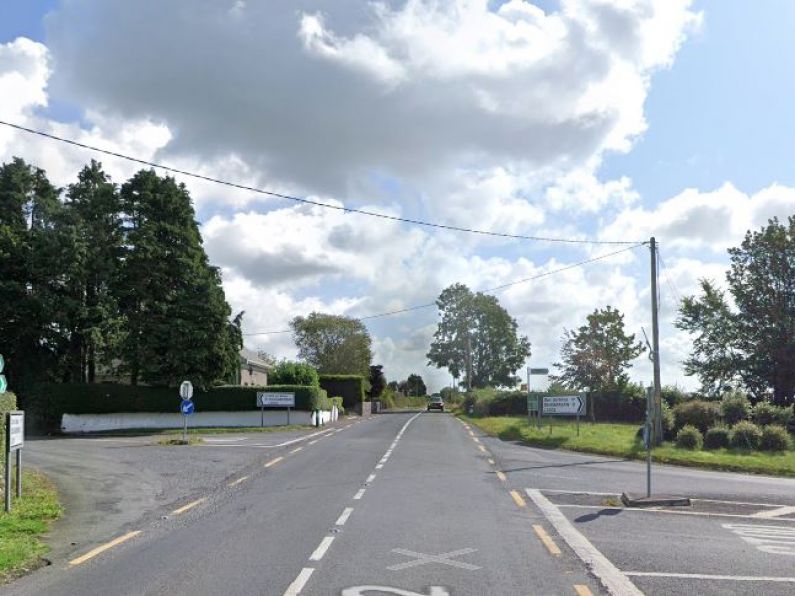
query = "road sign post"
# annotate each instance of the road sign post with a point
(186, 406)
(273, 399)
(15, 440)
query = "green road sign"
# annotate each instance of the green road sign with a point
(3, 384)
(2, 363)
(532, 403)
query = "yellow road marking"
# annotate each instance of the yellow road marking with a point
(273, 462)
(103, 547)
(491, 461)
(582, 590)
(190, 505)
(476, 439)
(517, 498)
(482, 448)
(548, 542)
(501, 476)
(238, 481)
(296, 450)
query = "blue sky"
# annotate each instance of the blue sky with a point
(720, 115)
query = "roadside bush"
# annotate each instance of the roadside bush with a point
(766, 413)
(735, 407)
(337, 401)
(698, 413)
(294, 373)
(745, 435)
(512, 403)
(717, 437)
(689, 437)
(668, 422)
(482, 407)
(775, 438)
(350, 387)
(672, 395)
(8, 403)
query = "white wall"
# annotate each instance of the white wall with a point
(86, 423)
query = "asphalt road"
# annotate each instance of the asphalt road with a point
(413, 504)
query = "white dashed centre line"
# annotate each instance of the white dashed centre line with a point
(359, 494)
(320, 551)
(299, 582)
(346, 513)
(370, 478)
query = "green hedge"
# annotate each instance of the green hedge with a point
(349, 387)
(108, 398)
(8, 403)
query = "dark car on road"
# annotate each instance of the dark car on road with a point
(435, 403)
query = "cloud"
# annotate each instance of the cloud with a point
(715, 220)
(322, 95)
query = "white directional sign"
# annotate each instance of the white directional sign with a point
(16, 430)
(267, 399)
(564, 405)
(186, 390)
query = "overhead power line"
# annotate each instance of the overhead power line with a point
(416, 222)
(494, 289)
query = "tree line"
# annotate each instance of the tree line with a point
(105, 278)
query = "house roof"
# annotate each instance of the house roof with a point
(250, 357)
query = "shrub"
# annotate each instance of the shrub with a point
(668, 422)
(337, 401)
(672, 395)
(294, 373)
(735, 407)
(482, 407)
(512, 403)
(8, 402)
(766, 413)
(775, 438)
(717, 437)
(745, 435)
(698, 413)
(350, 387)
(689, 437)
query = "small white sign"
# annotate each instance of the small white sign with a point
(186, 390)
(16, 430)
(564, 405)
(267, 399)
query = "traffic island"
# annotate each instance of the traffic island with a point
(631, 500)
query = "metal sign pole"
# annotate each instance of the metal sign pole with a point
(262, 416)
(185, 428)
(19, 472)
(288, 416)
(8, 480)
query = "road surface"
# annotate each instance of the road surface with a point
(413, 504)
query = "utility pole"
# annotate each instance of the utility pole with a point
(469, 363)
(655, 346)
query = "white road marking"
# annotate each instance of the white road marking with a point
(299, 582)
(296, 450)
(238, 481)
(778, 512)
(224, 440)
(358, 494)
(774, 540)
(379, 466)
(608, 574)
(363, 590)
(370, 478)
(442, 559)
(319, 434)
(673, 512)
(320, 551)
(346, 513)
(735, 578)
(313, 442)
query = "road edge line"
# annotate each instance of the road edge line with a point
(103, 547)
(614, 581)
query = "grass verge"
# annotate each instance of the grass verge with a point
(21, 547)
(619, 440)
(169, 441)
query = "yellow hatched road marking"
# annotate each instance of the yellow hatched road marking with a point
(548, 542)
(189, 506)
(517, 498)
(103, 547)
(273, 462)
(582, 590)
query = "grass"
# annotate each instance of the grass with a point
(21, 547)
(619, 440)
(169, 441)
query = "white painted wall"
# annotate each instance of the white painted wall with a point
(87, 423)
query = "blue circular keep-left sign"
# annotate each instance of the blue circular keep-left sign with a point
(186, 407)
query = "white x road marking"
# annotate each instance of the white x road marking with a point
(443, 559)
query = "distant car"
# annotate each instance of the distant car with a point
(435, 403)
